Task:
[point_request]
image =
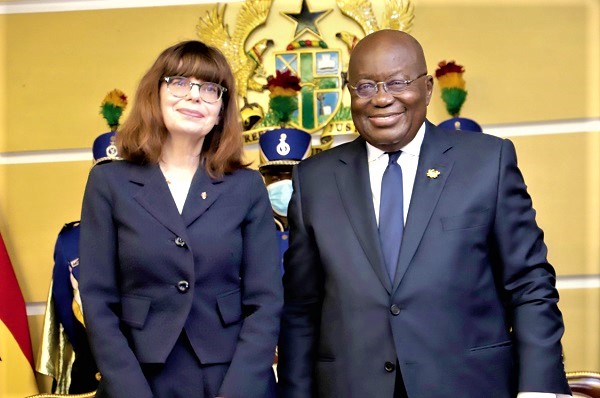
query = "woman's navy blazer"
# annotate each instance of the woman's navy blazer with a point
(148, 272)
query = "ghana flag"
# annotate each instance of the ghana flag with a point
(16, 358)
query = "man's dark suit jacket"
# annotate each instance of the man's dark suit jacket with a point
(148, 272)
(472, 311)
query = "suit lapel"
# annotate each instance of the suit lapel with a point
(154, 196)
(425, 195)
(352, 178)
(203, 192)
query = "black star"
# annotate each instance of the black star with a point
(306, 20)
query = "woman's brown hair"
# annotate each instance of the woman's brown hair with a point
(141, 137)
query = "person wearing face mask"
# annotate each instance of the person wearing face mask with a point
(280, 150)
(416, 267)
(179, 266)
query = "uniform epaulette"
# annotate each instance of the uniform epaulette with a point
(69, 226)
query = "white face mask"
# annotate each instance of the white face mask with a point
(280, 193)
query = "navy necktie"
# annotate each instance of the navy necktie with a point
(391, 216)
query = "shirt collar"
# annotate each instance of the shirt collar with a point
(413, 148)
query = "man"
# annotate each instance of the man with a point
(465, 306)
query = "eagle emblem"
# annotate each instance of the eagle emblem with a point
(212, 30)
(398, 15)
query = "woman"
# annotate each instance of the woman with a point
(179, 261)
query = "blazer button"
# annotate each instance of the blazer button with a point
(395, 310)
(389, 367)
(183, 286)
(179, 242)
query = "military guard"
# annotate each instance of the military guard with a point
(65, 353)
(461, 123)
(280, 150)
(454, 94)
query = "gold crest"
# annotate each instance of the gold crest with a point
(398, 15)
(212, 30)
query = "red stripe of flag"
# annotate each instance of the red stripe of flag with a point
(12, 305)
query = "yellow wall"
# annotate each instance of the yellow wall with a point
(3, 130)
(526, 61)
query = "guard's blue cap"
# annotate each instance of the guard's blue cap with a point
(104, 148)
(461, 123)
(284, 146)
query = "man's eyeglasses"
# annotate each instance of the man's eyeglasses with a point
(368, 89)
(180, 87)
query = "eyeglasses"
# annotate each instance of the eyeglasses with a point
(368, 89)
(180, 87)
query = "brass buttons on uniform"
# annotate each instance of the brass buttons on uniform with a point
(179, 242)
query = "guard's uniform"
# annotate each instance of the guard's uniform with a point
(280, 150)
(65, 353)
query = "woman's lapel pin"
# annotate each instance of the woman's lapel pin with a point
(433, 173)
